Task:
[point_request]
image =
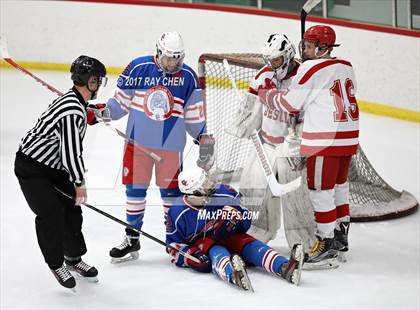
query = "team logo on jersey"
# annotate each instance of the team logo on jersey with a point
(126, 171)
(120, 82)
(158, 103)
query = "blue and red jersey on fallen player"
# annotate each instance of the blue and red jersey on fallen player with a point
(188, 230)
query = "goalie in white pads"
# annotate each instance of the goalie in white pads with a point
(209, 224)
(324, 88)
(278, 54)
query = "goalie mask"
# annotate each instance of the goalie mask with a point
(195, 182)
(278, 53)
(170, 52)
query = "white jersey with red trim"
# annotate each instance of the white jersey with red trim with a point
(274, 122)
(325, 90)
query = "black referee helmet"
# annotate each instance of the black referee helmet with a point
(84, 67)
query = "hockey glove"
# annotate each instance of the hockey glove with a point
(95, 111)
(227, 223)
(291, 146)
(205, 263)
(206, 153)
(266, 96)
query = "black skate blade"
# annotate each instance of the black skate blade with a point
(322, 265)
(129, 257)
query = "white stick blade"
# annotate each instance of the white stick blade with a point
(291, 186)
(3, 47)
(310, 4)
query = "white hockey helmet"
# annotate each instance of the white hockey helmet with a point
(278, 45)
(193, 181)
(170, 52)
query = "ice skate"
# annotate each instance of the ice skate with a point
(84, 270)
(292, 270)
(341, 237)
(323, 255)
(341, 243)
(64, 277)
(240, 276)
(126, 251)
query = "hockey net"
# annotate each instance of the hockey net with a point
(371, 198)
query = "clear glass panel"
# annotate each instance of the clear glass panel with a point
(294, 6)
(402, 13)
(369, 11)
(229, 2)
(415, 11)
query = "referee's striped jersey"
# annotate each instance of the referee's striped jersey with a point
(56, 139)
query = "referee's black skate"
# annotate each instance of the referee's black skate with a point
(292, 270)
(126, 251)
(64, 277)
(84, 270)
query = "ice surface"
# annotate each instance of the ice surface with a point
(382, 271)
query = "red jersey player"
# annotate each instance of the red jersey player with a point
(324, 89)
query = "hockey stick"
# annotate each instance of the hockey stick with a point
(307, 7)
(277, 189)
(5, 55)
(133, 228)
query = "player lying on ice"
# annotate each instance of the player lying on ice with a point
(209, 224)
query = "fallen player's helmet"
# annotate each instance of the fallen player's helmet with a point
(170, 52)
(193, 181)
(278, 45)
(84, 67)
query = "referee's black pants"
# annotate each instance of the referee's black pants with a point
(58, 221)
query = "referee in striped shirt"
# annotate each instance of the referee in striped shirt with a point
(50, 158)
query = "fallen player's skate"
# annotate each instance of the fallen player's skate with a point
(240, 276)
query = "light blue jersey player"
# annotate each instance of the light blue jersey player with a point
(163, 100)
(209, 224)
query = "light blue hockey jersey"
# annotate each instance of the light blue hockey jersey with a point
(161, 107)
